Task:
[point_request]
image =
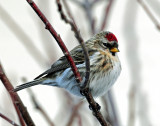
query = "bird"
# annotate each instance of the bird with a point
(105, 67)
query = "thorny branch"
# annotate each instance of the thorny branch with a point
(20, 108)
(149, 14)
(8, 120)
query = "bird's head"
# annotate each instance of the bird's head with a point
(106, 40)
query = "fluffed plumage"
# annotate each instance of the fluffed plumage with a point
(105, 67)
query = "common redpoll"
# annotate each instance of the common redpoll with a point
(105, 67)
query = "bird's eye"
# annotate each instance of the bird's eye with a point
(107, 45)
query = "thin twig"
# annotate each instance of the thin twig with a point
(155, 21)
(9, 87)
(107, 11)
(57, 38)
(38, 107)
(16, 100)
(8, 120)
(68, 11)
(80, 39)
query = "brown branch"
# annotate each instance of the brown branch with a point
(20, 108)
(149, 14)
(9, 87)
(80, 39)
(95, 107)
(38, 107)
(8, 120)
(57, 38)
(19, 115)
(107, 11)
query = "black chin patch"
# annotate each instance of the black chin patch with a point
(113, 53)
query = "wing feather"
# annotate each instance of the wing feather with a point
(62, 63)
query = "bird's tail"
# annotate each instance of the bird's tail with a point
(28, 84)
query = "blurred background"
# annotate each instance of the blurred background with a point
(27, 49)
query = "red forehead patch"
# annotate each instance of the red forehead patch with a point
(111, 37)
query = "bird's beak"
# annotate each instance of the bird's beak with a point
(114, 49)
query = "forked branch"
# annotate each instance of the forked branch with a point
(20, 108)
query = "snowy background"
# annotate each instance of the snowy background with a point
(27, 49)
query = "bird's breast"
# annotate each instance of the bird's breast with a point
(105, 75)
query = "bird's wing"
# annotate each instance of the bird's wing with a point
(62, 63)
